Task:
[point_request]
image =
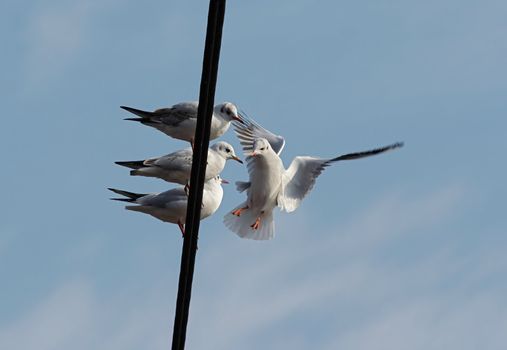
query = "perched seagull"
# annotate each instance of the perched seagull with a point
(272, 185)
(171, 206)
(176, 167)
(180, 120)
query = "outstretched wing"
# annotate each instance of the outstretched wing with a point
(299, 179)
(248, 130)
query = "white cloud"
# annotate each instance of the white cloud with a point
(445, 322)
(338, 290)
(54, 323)
(55, 37)
(336, 270)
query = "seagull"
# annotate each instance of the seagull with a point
(272, 185)
(171, 206)
(180, 120)
(176, 166)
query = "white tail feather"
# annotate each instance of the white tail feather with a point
(241, 225)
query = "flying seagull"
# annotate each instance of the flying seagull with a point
(272, 185)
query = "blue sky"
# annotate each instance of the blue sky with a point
(401, 251)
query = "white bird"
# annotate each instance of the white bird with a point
(176, 166)
(271, 185)
(171, 206)
(180, 120)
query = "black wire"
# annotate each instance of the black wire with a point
(201, 143)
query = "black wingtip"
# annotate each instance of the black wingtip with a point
(364, 154)
(138, 112)
(129, 109)
(131, 196)
(122, 193)
(136, 164)
(122, 200)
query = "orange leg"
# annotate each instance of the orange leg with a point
(256, 224)
(237, 212)
(182, 228)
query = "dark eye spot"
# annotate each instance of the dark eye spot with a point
(263, 148)
(227, 150)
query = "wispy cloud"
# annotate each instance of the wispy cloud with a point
(337, 270)
(54, 37)
(338, 290)
(54, 324)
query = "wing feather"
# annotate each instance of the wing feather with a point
(299, 179)
(248, 130)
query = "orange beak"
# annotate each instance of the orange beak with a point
(224, 181)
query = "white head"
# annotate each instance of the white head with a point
(226, 151)
(228, 112)
(260, 147)
(216, 181)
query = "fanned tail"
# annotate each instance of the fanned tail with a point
(241, 225)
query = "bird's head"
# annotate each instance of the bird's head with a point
(260, 146)
(226, 151)
(229, 112)
(220, 180)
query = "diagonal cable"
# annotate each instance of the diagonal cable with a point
(201, 143)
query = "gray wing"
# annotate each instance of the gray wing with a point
(160, 200)
(176, 114)
(171, 116)
(299, 179)
(179, 160)
(248, 130)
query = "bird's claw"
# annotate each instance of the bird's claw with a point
(256, 224)
(238, 211)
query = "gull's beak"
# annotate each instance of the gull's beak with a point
(224, 181)
(238, 118)
(253, 154)
(237, 159)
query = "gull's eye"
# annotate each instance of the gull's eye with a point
(263, 148)
(228, 150)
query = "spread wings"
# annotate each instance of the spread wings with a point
(299, 179)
